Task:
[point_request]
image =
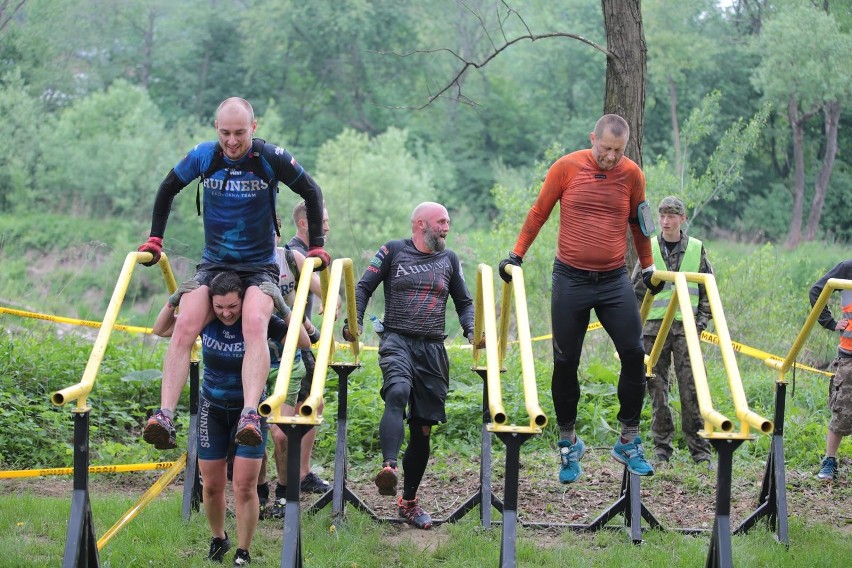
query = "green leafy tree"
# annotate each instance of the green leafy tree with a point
(24, 115)
(371, 186)
(111, 151)
(806, 82)
(679, 43)
(722, 170)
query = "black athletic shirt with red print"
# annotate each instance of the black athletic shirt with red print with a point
(416, 287)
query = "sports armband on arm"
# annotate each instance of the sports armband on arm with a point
(645, 219)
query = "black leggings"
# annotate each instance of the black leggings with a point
(575, 294)
(392, 433)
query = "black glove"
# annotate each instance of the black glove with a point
(274, 292)
(188, 286)
(701, 326)
(514, 260)
(647, 273)
(347, 334)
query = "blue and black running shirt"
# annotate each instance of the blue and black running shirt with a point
(223, 348)
(238, 221)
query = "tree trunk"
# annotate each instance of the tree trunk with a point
(678, 165)
(794, 235)
(831, 112)
(626, 70)
(625, 78)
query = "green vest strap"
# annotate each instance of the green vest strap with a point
(691, 262)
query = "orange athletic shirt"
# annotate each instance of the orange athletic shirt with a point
(594, 208)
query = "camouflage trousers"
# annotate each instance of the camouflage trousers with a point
(662, 424)
(840, 397)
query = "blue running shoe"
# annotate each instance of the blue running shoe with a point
(632, 455)
(569, 456)
(828, 469)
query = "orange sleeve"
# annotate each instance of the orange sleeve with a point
(640, 241)
(548, 196)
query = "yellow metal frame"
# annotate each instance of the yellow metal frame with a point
(680, 300)
(485, 322)
(81, 390)
(790, 360)
(341, 271)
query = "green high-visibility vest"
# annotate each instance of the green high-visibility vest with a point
(691, 262)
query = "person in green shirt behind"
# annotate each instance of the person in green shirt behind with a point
(675, 251)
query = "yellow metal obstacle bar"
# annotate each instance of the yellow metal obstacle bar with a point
(680, 300)
(485, 321)
(341, 270)
(145, 499)
(81, 390)
(790, 360)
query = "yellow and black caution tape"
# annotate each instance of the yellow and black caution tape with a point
(72, 321)
(706, 336)
(123, 468)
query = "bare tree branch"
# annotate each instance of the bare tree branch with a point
(4, 7)
(455, 82)
(467, 65)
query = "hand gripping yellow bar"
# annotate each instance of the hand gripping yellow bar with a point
(783, 366)
(81, 390)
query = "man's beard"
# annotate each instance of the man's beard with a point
(433, 240)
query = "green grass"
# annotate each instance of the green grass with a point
(36, 530)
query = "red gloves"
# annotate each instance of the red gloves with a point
(319, 252)
(154, 245)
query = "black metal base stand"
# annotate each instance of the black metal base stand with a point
(484, 496)
(291, 551)
(719, 555)
(340, 493)
(81, 547)
(630, 504)
(772, 503)
(192, 477)
(509, 537)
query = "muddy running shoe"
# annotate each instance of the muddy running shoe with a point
(279, 506)
(632, 455)
(242, 558)
(569, 460)
(218, 548)
(248, 430)
(828, 469)
(160, 431)
(387, 479)
(413, 513)
(313, 484)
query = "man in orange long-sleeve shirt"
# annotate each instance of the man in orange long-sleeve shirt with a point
(600, 193)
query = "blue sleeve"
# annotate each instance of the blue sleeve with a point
(287, 170)
(195, 162)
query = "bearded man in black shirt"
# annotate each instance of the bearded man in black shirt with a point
(418, 275)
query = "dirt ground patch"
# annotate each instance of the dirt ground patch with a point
(679, 495)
